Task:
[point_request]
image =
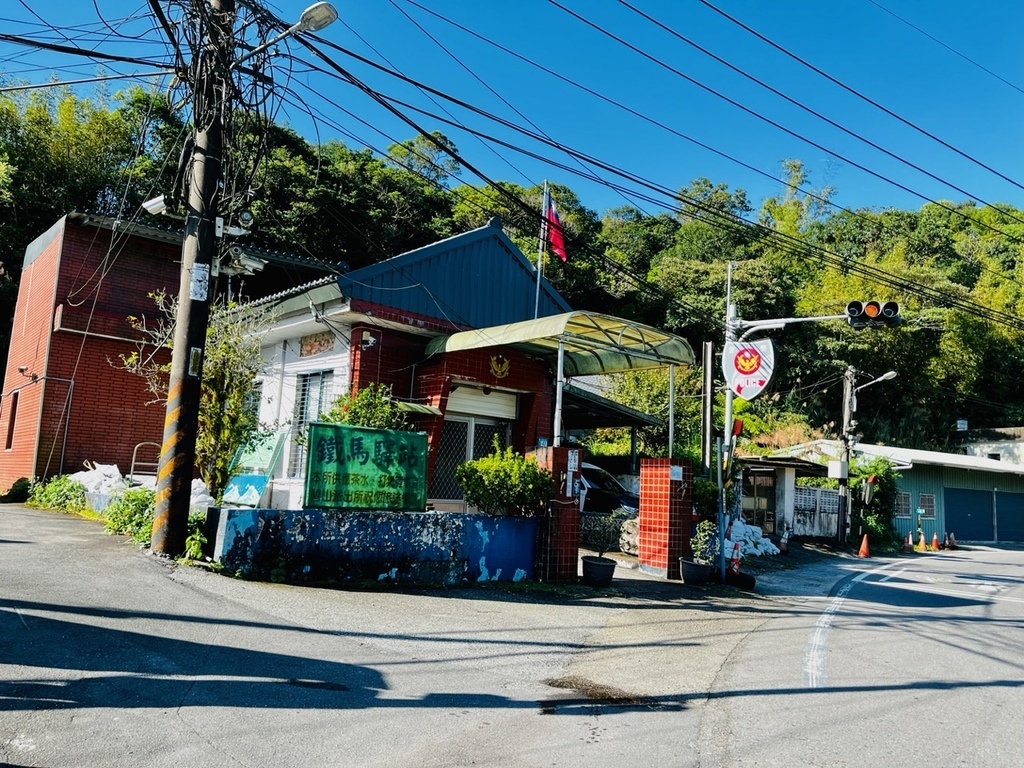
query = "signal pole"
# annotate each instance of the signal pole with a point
(210, 102)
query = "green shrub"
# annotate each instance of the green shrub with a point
(18, 492)
(705, 499)
(705, 542)
(505, 483)
(196, 540)
(60, 493)
(372, 406)
(130, 513)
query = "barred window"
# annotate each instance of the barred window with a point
(313, 396)
(902, 505)
(926, 505)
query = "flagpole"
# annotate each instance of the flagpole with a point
(540, 247)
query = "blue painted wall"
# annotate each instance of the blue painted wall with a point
(407, 547)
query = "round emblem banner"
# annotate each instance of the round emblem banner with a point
(748, 366)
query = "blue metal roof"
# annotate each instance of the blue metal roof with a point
(476, 280)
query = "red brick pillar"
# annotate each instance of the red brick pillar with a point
(559, 545)
(666, 515)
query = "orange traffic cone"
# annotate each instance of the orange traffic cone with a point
(921, 546)
(935, 542)
(864, 551)
(736, 558)
(908, 545)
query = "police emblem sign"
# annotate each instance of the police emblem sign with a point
(351, 467)
(748, 366)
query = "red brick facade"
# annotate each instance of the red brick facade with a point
(397, 359)
(77, 290)
(666, 515)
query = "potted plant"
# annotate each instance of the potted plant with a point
(704, 547)
(599, 570)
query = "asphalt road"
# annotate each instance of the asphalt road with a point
(112, 657)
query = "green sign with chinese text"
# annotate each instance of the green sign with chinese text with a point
(363, 468)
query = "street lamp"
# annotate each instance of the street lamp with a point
(849, 408)
(313, 19)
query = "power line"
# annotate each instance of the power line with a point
(102, 78)
(768, 120)
(830, 121)
(949, 48)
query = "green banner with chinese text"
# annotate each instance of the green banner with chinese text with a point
(352, 467)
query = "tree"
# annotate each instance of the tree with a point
(58, 153)
(424, 157)
(232, 363)
(647, 391)
(372, 406)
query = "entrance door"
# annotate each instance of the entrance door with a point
(462, 438)
(759, 500)
(968, 514)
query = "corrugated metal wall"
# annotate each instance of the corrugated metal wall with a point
(934, 480)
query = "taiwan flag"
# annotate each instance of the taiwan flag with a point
(554, 229)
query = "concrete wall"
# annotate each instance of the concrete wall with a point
(324, 545)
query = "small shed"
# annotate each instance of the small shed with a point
(977, 499)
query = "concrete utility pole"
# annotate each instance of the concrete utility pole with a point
(849, 377)
(211, 105)
(850, 391)
(210, 102)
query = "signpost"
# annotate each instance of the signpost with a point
(352, 467)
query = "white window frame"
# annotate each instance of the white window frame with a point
(303, 414)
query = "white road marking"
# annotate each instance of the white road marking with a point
(815, 670)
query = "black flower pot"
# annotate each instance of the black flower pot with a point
(598, 571)
(695, 574)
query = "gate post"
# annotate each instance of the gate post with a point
(666, 515)
(559, 545)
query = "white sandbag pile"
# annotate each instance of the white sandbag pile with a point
(750, 539)
(103, 481)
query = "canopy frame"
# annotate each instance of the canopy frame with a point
(580, 344)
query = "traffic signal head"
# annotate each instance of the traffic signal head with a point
(872, 314)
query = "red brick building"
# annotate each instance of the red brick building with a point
(65, 401)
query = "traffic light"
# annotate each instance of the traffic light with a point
(873, 314)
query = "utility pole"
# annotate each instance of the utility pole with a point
(850, 390)
(210, 102)
(849, 378)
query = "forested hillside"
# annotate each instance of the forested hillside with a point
(953, 267)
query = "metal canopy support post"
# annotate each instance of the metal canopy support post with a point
(559, 384)
(709, 399)
(671, 408)
(721, 514)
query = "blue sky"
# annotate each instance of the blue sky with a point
(941, 66)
